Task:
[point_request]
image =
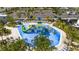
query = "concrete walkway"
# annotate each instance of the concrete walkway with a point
(14, 33)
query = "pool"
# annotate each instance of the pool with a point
(43, 29)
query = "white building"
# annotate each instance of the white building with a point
(78, 21)
(3, 18)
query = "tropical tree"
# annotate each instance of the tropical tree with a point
(42, 43)
(10, 19)
(72, 33)
(18, 45)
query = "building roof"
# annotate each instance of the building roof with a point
(2, 15)
(69, 16)
(44, 14)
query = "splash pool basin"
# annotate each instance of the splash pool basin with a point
(32, 30)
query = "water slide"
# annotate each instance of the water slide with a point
(24, 29)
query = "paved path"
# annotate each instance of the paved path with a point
(14, 33)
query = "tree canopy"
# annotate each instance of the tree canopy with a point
(42, 43)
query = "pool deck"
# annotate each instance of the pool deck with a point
(15, 34)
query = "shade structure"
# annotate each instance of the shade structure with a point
(39, 18)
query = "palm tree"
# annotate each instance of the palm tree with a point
(18, 45)
(42, 43)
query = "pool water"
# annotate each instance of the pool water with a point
(51, 33)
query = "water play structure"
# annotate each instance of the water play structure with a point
(23, 28)
(30, 27)
(29, 31)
